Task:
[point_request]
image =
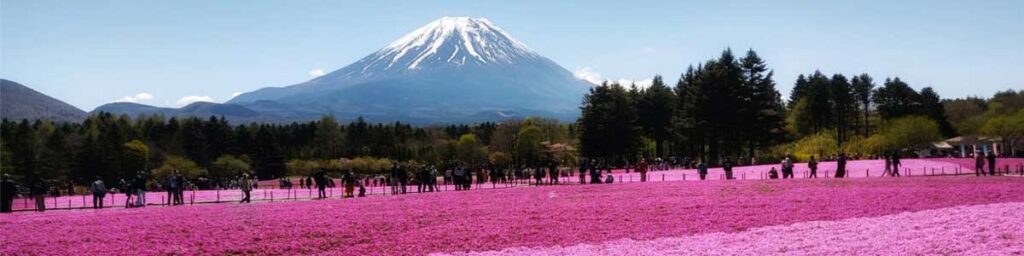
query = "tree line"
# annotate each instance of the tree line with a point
(729, 109)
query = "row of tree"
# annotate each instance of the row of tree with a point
(120, 147)
(728, 108)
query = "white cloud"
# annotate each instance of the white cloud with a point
(138, 97)
(193, 99)
(588, 74)
(316, 72)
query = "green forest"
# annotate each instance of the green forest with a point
(723, 108)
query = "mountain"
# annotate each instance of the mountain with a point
(232, 112)
(20, 102)
(455, 69)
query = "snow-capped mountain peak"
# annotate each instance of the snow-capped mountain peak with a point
(453, 40)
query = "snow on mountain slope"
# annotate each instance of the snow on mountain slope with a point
(453, 66)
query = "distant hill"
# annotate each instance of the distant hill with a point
(231, 112)
(20, 102)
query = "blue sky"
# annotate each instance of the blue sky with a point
(88, 53)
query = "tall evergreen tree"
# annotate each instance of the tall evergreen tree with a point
(863, 86)
(896, 99)
(655, 110)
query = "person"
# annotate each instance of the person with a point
(979, 164)
(403, 179)
(595, 173)
(991, 163)
(702, 170)
(896, 164)
(309, 182)
(99, 190)
(179, 193)
(7, 190)
(129, 191)
(727, 167)
(321, 184)
(583, 171)
(432, 179)
(609, 179)
(841, 166)
(888, 166)
(39, 188)
(553, 173)
(642, 169)
(350, 184)
(813, 165)
(538, 174)
(787, 168)
(140, 190)
(773, 174)
(362, 190)
(172, 186)
(245, 184)
(421, 176)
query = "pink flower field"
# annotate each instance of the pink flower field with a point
(914, 215)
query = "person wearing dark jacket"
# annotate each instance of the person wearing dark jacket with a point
(841, 166)
(7, 190)
(991, 163)
(179, 194)
(39, 189)
(99, 190)
(140, 190)
(813, 165)
(702, 170)
(727, 167)
(321, 184)
(349, 181)
(979, 164)
(172, 188)
(896, 164)
(595, 173)
(583, 171)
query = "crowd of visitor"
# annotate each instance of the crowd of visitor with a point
(425, 178)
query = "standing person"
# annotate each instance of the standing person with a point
(172, 187)
(642, 169)
(140, 190)
(813, 165)
(787, 172)
(245, 184)
(457, 177)
(553, 173)
(99, 190)
(129, 191)
(403, 179)
(321, 184)
(309, 182)
(39, 188)
(583, 171)
(432, 179)
(421, 176)
(595, 173)
(538, 175)
(991, 163)
(179, 194)
(7, 190)
(841, 166)
(896, 164)
(727, 167)
(979, 164)
(702, 170)
(350, 184)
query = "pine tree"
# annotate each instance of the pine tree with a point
(655, 110)
(863, 86)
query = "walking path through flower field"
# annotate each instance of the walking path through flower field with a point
(857, 169)
(548, 219)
